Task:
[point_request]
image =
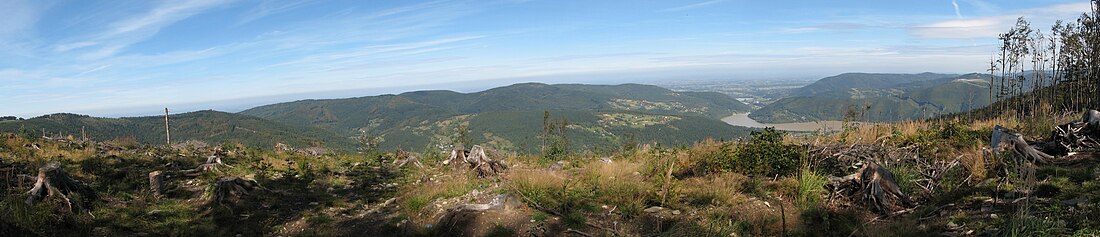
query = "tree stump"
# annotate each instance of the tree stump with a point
(158, 179)
(874, 184)
(53, 181)
(475, 159)
(232, 189)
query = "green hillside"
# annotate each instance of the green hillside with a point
(208, 126)
(511, 117)
(846, 81)
(924, 98)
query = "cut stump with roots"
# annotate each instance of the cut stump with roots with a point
(232, 189)
(874, 184)
(158, 180)
(52, 181)
(476, 159)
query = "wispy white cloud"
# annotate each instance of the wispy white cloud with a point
(956, 5)
(94, 70)
(135, 29)
(691, 6)
(271, 7)
(991, 26)
(19, 17)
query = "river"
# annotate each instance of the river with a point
(742, 119)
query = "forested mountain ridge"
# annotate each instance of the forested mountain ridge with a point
(597, 115)
(846, 81)
(885, 100)
(207, 126)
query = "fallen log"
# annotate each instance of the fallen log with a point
(53, 181)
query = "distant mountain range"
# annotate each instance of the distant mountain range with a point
(208, 126)
(508, 118)
(511, 117)
(880, 98)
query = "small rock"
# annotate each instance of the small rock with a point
(653, 209)
(994, 216)
(676, 212)
(1079, 201)
(606, 160)
(559, 165)
(952, 226)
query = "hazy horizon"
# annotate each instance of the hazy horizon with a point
(119, 58)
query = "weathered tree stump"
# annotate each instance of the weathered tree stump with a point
(484, 165)
(232, 189)
(403, 158)
(1091, 119)
(874, 184)
(53, 181)
(1004, 139)
(158, 179)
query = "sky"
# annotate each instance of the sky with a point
(119, 58)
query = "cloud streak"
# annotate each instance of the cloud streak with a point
(123, 33)
(991, 26)
(956, 5)
(691, 6)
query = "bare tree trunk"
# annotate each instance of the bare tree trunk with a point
(167, 130)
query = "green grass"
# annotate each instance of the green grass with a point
(811, 186)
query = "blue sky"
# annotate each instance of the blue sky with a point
(111, 58)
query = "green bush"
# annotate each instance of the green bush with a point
(767, 155)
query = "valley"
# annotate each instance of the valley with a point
(550, 118)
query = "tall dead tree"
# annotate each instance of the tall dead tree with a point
(167, 131)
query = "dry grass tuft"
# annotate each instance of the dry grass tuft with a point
(720, 189)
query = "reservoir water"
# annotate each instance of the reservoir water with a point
(742, 119)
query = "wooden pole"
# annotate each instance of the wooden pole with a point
(83, 136)
(167, 132)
